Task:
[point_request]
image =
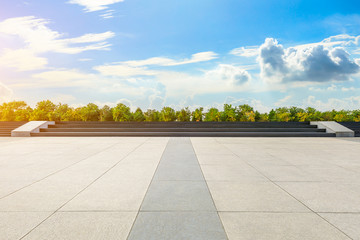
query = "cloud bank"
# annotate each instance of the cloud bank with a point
(37, 38)
(313, 63)
(94, 5)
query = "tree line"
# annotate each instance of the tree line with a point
(49, 111)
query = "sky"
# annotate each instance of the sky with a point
(156, 53)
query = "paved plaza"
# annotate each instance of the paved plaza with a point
(179, 188)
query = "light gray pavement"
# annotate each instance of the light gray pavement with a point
(179, 188)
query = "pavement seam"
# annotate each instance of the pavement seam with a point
(207, 186)
(57, 210)
(286, 191)
(152, 179)
(60, 170)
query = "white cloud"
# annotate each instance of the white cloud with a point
(108, 14)
(139, 67)
(22, 60)
(62, 78)
(94, 5)
(332, 87)
(308, 64)
(123, 71)
(344, 89)
(5, 93)
(251, 51)
(283, 102)
(85, 59)
(162, 61)
(229, 73)
(349, 103)
(38, 38)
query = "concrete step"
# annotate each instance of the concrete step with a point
(183, 134)
(355, 126)
(182, 130)
(7, 127)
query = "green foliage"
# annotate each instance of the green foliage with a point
(245, 113)
(15, 111)
(59, 114)
(43, 111)
(167, 114)
(263, 117)
(343, 116)
(272, 116)
(183, 115)
(138, 115)
(213, 115)
(106, 113)
(294, 117)
(282, 114)
(47, 110)
(197, 115)
(151, 115)
(90, 112)
(229, 114)
(121, 113)
(356, 115)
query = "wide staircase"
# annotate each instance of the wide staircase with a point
(355, 126)
(181, 129)
(7, 127)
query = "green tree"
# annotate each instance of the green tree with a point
(72, 115)
(106, 113)
(246, 113)
(183, 115)
(263, 117)
(90, 112)
(43, 111)
(229, 114)
(356, 115)
(294, 117)
(138, 115)
(197, 115)
(121, 113)
(151, 115)
(59, 113)
(213, 115)
(167, 114)
(343, 116)
(282, 114)
(313, 114)
(272, 115)
(15, 111)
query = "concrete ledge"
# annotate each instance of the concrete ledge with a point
(334, 127)
(30, 127)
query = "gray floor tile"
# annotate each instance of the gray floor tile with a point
(178, 172)
(278, 226)
(85, 225)
(349, 223)
(177, 226)
(259, 196)
(326, 197)
(14, 225)
(178, 196)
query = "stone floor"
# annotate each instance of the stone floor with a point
(179, 188)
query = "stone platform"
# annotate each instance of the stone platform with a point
(179, 188)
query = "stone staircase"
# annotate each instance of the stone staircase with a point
(181, 129)
(7, 127)
(355, 126)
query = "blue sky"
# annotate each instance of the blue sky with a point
(155, 53)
